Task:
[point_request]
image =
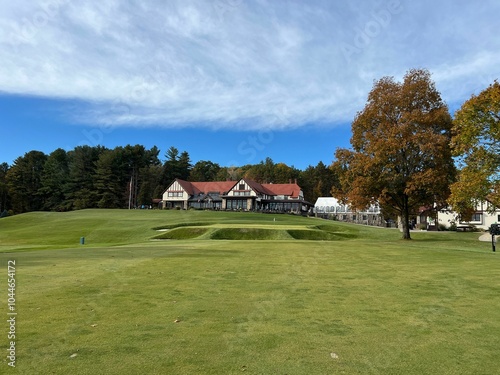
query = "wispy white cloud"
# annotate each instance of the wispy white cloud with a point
(234, 63)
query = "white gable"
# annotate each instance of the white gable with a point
(241, 189)
(326, 202)
(175, 192)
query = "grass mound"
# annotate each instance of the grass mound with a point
(179, 225)
(249, 234)
(346, 230)
(319, 235)
(186, 231)
(182, 233)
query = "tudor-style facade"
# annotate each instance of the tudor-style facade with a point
(482, 218)
(185, 194)
(244, 195)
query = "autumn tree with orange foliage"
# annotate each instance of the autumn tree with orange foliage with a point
(476, 144)
(400, 156)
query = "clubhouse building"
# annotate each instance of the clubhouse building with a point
(244, 195)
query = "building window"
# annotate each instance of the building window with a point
(242, 193)
(236, 204)
(241, 187)
(477, 217)
(175, 193)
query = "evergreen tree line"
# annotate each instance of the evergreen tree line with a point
(130, 176)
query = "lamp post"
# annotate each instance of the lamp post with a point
(494, 231)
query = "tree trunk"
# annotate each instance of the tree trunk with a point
(405, 219)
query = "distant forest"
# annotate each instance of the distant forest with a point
(98, 177)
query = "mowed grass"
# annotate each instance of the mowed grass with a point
(361, 302)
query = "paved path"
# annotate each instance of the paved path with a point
(486, 237)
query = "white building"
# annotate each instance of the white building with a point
(481, 218)
(331, 208)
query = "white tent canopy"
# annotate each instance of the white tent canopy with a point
(332, 205)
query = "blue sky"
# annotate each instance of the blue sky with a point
(230, 81)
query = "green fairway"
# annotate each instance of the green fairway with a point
(232, 293)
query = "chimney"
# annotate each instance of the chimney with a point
(290, 181)
(295, 181)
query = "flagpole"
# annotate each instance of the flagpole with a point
(130, 194)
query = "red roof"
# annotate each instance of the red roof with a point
(292, 190)
(223, 187)
(186, 185)
(193, 188)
